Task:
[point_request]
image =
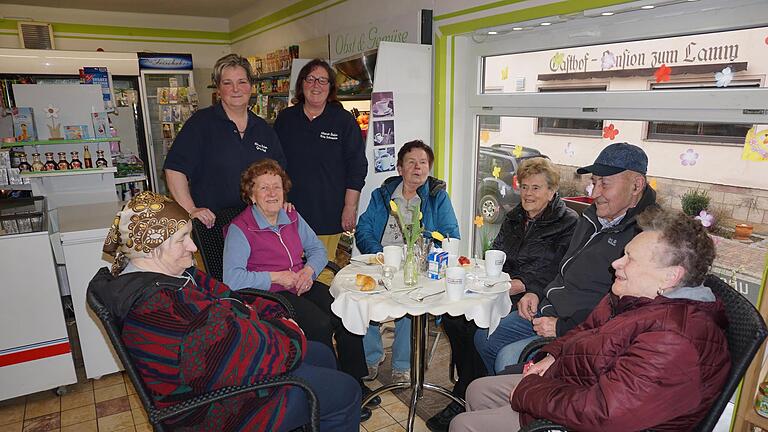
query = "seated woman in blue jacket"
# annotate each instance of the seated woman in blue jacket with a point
(378, 227)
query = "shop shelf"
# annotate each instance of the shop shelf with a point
(63, 173)
(129, 179)
(18, 187)
(59, 141)
(266, 75)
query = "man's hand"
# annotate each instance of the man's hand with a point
(545, 326)
(304, 280)
(203, 215)
(516, 286)
(527, 306)
(349, 217)
(285, 278)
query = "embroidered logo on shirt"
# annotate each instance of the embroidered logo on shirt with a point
(329, 135)
(612, 241)
(261, 147)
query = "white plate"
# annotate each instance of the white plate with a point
(348, 283)
(364, 259)
(379, 112)
(478, 286)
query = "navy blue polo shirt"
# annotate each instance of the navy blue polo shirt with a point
(210, 152)
(326, 157)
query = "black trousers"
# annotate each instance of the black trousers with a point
(320, 324)
(469, 364)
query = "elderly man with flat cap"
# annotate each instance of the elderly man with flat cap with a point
(620, 193)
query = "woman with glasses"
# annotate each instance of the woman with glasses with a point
(217, 143)
(326, 156)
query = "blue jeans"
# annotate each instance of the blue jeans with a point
(338, 394)
(504, 346)
(401, 347)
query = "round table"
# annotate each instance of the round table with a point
(357, 308)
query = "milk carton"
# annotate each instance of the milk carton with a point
(437, 262)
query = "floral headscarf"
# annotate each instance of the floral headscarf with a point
(146, 221)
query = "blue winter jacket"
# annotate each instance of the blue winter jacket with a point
(436, 209)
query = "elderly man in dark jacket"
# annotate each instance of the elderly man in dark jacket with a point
(620, 193)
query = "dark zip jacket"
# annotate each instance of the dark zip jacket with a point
(585, 275)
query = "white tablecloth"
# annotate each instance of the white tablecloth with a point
(356, 308)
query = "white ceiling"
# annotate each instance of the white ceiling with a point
(200, 8)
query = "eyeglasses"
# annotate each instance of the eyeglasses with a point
(309, 79)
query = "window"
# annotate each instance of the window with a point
(582, 127)
(700, 132)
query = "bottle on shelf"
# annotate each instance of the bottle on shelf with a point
(36, 164)
(50, 165)
(100, 161)
(63, 164)
(761, 401)
(87, 157)
(24, 166)
(76, 164)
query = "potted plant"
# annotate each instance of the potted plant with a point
(694, 201)
(744, 230)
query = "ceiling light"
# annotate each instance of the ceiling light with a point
(517, 28)
(546, 23)
(606, 13)
(493, 32)
(647, 7)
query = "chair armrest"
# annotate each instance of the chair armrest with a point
(532, 347)
(270, 296)
(156, 416)
(542, 425)
(333, 267)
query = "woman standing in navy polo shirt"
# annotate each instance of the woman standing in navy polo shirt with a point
(326, 156)
(216, 144)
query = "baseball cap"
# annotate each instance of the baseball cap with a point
(616, 158)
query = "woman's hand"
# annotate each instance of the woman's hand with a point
(203, 215)
(540, 367)
(516, 286)
(304, 280)
(349, 218)
(527, 306)
(288, 207)
(545, 326)
(285, 278)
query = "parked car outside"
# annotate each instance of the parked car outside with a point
(498, 195)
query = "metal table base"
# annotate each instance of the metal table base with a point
(418, 367)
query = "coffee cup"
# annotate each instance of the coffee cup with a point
(392, 256)
(455, 279)
(494, 262)
(451, 245)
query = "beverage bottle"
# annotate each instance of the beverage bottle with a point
(76, 164)
(87, 157)
(36, 164)
(100, 161)
(63, 164)
(23, 164)
(50, 165)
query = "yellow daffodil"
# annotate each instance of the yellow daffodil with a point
(437, 236)
(479, 221)
(393, 205)
(496, 172)
(518, 151)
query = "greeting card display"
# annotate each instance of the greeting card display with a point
(76, 132)
(100, 124)
(24, 124)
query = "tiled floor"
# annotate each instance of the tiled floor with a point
(110, 404)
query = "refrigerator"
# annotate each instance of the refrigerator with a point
(168, 99)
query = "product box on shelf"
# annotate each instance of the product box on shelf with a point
(100, 124)
(76, 132)
(437, 262)
(24, 124)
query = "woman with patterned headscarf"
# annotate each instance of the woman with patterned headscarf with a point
(189, 334)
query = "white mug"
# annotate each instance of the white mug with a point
(494, 262)
(455, 279)
(451, 246)
(392, 256)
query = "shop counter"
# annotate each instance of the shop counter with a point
(35, 352)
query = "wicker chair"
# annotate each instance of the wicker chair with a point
(158, 415)
(746, 332)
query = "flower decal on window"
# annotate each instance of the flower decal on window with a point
(688, 158)
(518, 151)
(706, 219)
(662, 73)
(570, 151)
(724, 77)
(496, 171)
(610, 131)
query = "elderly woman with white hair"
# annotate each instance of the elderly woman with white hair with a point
(188, 333)
(652, 354)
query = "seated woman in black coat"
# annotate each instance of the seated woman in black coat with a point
(535, 235)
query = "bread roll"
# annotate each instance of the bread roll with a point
(365, 282)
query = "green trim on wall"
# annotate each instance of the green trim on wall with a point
(439, 103)
(296, 18)
(6, 24)
(450, 107)
(138, 31)
(281, 14)
(477, 9)
(165, 41)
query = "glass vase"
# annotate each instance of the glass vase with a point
(410, 267)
